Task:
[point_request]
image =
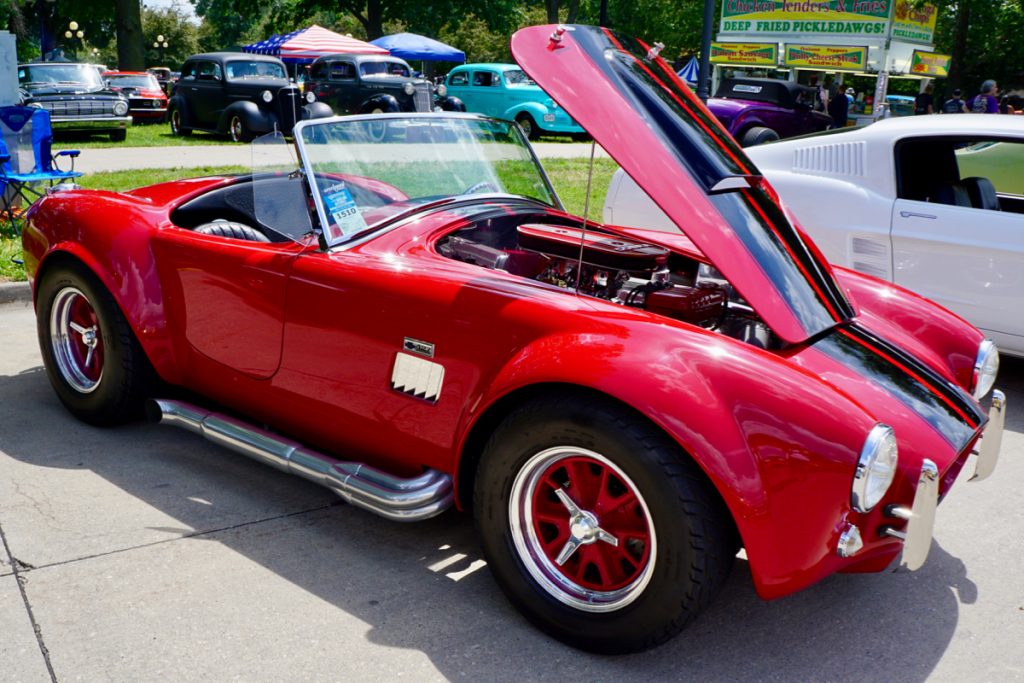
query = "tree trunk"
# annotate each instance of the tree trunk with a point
(603, 17)
(374, 20)
(131, 51)
(552, 7)
(963, 24)
(574, 10)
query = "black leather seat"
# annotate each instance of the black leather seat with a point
(982, 193)
(951, 193)
(238, 231)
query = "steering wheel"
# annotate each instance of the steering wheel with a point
(483, 185)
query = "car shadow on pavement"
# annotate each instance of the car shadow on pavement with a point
(423, 586)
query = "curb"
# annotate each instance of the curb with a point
(15, 292)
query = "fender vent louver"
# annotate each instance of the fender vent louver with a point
(840, 158)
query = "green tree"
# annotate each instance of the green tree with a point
(180, 34)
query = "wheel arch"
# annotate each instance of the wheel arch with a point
(388, 103)
(534, 109)
(735, 419)
(135, 288)
(254, 118)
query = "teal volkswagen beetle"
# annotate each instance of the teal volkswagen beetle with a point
(505, 92)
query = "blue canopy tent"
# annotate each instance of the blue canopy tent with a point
(691, 72)
(410, 46)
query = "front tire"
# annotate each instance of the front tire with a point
(177, 129)
(118, 135)
(597, 527)
(238, 131)
(528, 126)
(93, 361)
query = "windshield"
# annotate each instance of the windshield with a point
(385, 68)
(85, 74)
(147, 82)
(517, 77)
(242, 70)
(372, 169)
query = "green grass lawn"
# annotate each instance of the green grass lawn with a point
(145, 135)
(568, 176)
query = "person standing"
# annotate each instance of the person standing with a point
(987, 99)
(955, 104)
(839, 109)
(924, 103)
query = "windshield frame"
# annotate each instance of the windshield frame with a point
(387, 224)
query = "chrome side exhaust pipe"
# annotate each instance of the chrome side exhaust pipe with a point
(401, 500)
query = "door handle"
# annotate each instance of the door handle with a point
(912, 214)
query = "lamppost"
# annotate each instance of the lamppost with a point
(160, 45)
(74, 32)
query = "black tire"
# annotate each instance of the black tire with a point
(659, 580)
(758, 135)
(109, 388)
(119, 135)
(528, 125)
(238, 131)
(175, 117)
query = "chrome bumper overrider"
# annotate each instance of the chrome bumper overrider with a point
(403, 500)
(920, 518)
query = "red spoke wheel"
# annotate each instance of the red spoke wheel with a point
(598, 574)
(92, 358)
(598, 527)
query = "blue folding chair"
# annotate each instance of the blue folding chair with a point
(25, 128)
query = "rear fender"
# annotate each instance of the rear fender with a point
(386, 103)
(779, 454)
(109, 233)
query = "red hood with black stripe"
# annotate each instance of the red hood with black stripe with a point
(650, 122)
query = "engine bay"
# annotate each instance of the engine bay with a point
(609, 267)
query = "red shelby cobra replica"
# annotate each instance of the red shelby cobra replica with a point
(422, 325)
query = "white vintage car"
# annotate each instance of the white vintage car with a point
(932, 203)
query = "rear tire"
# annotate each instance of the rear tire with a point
(758, 135)
(674, 542)
(93, 361)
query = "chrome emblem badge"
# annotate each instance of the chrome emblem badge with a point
(416, 346)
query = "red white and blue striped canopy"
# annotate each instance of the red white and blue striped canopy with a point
(309, 43)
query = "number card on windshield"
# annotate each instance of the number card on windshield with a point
(342, 214)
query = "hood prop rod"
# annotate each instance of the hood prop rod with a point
(586, 214)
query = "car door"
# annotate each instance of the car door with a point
(229, 295)
(487, 92)
(949, 248)
(208, 89)
(458, 86)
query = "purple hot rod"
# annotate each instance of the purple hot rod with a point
(757, 110)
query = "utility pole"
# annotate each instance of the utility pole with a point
(704, 73)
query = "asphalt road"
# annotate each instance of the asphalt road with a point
(144, 553)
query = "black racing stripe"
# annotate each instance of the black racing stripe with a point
(814, 267)
(951, 393)
(853, 352)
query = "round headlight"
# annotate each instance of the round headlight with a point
(409, 88)
(986, 367)
(875, 468)
(310, 97)
(442, 89)
(267, 96)
(120, 108)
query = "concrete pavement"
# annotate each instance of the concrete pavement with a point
(191, 156)
(144, 553)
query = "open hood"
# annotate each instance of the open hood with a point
(638, 110)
